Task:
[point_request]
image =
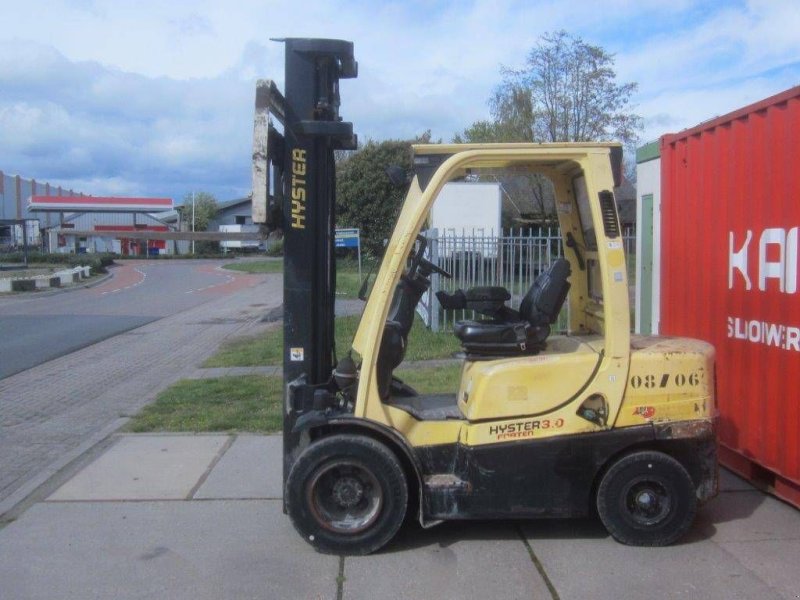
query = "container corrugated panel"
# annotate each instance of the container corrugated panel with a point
(729, 255)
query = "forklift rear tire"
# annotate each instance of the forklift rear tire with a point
(347, 494)
(647, 499)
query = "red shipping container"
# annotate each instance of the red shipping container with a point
(730, 217)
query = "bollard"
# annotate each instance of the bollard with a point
(23, 285)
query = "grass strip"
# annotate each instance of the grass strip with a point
(257, 266)
(347, 284)
(267, 348)
(250, 403)
(347, 280)
(250, 351)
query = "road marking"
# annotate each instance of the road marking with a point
(228, 279)
(127, 287)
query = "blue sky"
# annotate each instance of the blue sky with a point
(114, 97)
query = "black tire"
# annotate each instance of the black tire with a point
(647, 499)
(347, 494)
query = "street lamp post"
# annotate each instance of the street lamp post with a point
(192, 222)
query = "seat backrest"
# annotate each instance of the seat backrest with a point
(544, 300)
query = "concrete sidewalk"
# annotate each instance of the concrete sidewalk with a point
(199, 516)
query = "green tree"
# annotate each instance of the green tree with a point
(567, 91)
(366, 198)
(488, 132)
(205, 209)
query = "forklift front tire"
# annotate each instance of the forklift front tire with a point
(647, 499)
(347, 494)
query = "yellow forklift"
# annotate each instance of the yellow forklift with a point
(591, 419)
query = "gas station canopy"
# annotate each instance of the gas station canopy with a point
(98, 204)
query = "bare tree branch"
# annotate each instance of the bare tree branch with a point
(566, 92)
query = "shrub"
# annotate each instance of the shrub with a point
(275, 248)
(206, 247)
(98, 262)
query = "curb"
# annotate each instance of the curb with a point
(92, 284)
(31, 491)
(56, 291)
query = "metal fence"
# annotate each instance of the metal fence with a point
(511, 260)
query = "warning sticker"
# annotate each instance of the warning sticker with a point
(296, 354)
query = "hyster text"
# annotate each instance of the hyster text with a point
(298, 188)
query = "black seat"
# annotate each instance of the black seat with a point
(513, 332)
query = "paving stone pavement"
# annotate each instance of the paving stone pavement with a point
(199, 516)
(47, 412)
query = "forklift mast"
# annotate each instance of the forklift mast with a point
(294, 189)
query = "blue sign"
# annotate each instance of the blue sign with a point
(347, 238)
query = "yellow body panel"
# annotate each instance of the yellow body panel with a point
(526, 385)
(552, 411)
(671, 379)
(418, 433)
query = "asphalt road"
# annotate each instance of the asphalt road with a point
(38, 328)
(32, 340)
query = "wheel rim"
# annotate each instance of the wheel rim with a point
(344, 496)
(646, 501)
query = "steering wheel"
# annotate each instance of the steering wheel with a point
(428, 266)
(418, 261)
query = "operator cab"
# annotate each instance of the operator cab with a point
(507, 335)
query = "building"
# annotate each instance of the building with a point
(233, 212)
(99, 224)
(14, 194)
(236, 216)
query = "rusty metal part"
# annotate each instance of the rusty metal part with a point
(680, 430)
(445, 481)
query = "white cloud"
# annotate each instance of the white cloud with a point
(157, 98)
(727, 59)
(71, 122)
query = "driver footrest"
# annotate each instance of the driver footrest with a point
(430, 407)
